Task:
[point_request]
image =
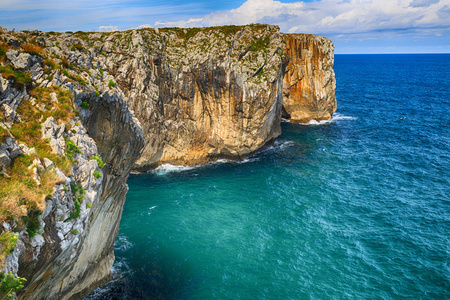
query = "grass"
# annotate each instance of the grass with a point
(3, 49)
(32, 49)
(99, 160)
(77, 46)
(21, 78)
(3, 134)
(71, 149)
(78, 196)
(21, 199)
(260, 44)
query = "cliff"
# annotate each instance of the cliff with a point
(309, 83)
(79, 111)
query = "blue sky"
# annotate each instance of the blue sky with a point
(355, 26)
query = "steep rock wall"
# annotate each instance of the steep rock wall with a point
(68, 265)
(308, 82)
(146, 97)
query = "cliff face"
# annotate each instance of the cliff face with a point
(309, 82)
(201, 94)
(132, 100)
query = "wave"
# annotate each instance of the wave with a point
(335, 118)
(169, 168)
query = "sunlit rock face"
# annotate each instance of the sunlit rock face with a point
(308, 82)
(139, 99)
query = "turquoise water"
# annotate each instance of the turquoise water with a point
(355, 208)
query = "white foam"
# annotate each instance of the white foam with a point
(122, 244)
(336, 117)
(168, 168)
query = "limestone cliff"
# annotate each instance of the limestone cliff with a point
(308, 83)
(78, 111)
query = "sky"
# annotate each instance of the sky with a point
(355, 26)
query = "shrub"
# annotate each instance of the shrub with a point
(99, 160)
(66, 73)
(9, 285)
(71, 149)
(97, 174)
(89, 205)
(111, 84)
(74, 231)
(84, 105)
(32, 220)
(77, 46)
(8, 241)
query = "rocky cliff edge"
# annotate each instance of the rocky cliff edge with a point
(79, 111)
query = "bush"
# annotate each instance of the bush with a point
(9, 285)
(74, 231)
(97, 174)
(89, 205)
(71, 149)
(84, 105)
(99, 160)
(77, 46)
(66, 73)
(8, 241)
(111, 84)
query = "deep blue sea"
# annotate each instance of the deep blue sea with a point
(355, 208)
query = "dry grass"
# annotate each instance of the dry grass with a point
(3, 49)
(32, 49)
(21, 199)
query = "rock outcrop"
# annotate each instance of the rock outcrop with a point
(309, 81)
(107, 103)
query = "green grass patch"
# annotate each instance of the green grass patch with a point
(22, 78)
(71, 149)
(99, 160)
(77, 46)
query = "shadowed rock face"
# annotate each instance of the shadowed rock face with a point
(149, 97)
(309, 82)
(66, 267)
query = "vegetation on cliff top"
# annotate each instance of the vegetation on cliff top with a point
(21, 196)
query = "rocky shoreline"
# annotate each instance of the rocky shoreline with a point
(79, 111)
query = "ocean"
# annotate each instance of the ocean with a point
(354, 208)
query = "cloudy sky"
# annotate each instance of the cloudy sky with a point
(356, 26)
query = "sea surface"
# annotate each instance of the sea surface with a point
(354, 208)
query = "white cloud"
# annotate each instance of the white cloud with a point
(335, 17)
(108, 28)
(144, 26)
